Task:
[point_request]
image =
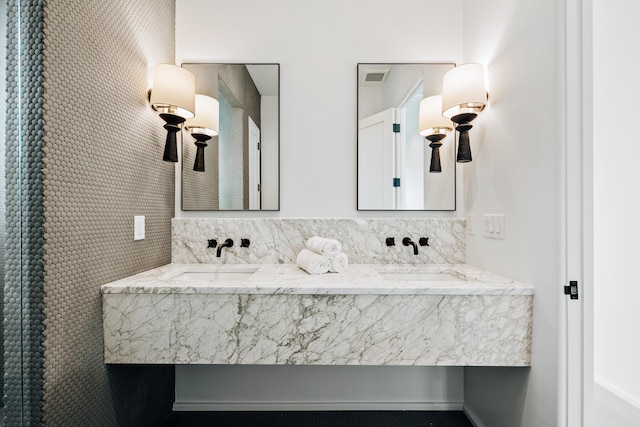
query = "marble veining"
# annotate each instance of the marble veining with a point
(436, 330)
(278, 241)
(282, 315)
(256, 306)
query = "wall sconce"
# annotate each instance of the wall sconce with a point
(173, 97)
(464, 96)
(203, 126)
(433, 126)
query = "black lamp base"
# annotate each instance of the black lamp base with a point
(435, 165)
(201, 139)
(463, 127)
(170, 145)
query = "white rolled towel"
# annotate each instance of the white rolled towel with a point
(312, 262)
(326, 247)
(339, 263)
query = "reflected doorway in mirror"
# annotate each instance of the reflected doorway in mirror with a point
(394, 159)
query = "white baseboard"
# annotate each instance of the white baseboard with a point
(317, 406)
(612, 408)
(472, 417)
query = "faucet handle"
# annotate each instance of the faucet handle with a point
(212, 243)
(391, 241)
(424, 241)
(244, 243)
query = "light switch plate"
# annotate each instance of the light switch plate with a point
(494, 226)
(138, 227)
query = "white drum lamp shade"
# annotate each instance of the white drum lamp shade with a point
(203, 126)
(463, 90)
(173, 91)
(207, 118)
(433, 126)
(431, 119)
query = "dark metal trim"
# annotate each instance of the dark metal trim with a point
(572, 289)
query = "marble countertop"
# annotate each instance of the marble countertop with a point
(286, 279)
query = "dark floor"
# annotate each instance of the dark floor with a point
(321, 419)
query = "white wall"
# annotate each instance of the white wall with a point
(318, 46)
(518, 170)
(616, 197)
(253, 387)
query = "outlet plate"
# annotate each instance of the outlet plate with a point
(493, 226)
(138, 227)
(470, 224)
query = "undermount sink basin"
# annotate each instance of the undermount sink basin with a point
(197, 276)
(419, 277)
(211, 273)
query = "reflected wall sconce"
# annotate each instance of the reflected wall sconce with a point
(464, 95)
(203, 126)
(433, 126)
(173, 97)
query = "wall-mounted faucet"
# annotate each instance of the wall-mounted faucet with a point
(213, 243)
(227, 244)
(407, 241)
(424, 241)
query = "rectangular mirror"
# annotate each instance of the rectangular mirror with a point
(393, 159)
(241, 163)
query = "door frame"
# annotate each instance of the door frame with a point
(577, 80)
(255, 181)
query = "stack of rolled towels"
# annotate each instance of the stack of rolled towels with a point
(321, 256)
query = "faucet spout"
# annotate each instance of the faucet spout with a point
(227, 244)
(407, 241)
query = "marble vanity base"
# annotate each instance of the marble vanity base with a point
(356, 329)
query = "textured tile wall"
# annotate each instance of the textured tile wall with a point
(23, 292)
(223, 185)
(102, 165)
(200, 189)
(3, 118)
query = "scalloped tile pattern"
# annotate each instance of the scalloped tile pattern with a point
(24, 248)
(102, 165)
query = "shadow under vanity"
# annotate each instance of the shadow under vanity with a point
(254, 306)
